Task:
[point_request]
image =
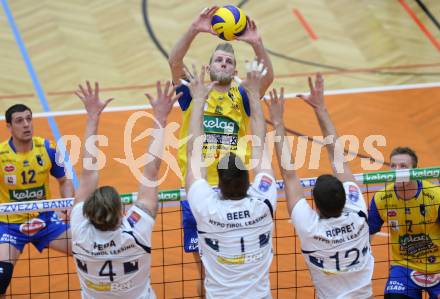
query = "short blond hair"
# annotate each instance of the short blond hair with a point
(225, 47)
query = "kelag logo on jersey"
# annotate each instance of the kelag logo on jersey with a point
(36, 193)
(219, 124)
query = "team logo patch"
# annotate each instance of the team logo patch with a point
(32, 226)
(9, 168)
(394, 224)
(424, 280)
(431, 259)
(39, 160)
(392, 213)
(407, 211)
(422, 209)
(25, 163)
(353, 193)
(265, 183)
(10, 179)
(133, 218)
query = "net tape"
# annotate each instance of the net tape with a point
(402, 175)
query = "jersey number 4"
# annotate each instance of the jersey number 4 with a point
(107, 268)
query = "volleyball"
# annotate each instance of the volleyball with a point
(229, 22)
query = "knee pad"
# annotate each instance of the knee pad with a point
(5, 276)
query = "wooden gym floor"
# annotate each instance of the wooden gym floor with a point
(371, 52)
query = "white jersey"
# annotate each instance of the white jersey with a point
(235, 238)
(113, 264)
(337, 250)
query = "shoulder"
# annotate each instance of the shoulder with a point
(431, 190)
(4, 145)
(304, 218)
(40, 141)
(200, 184)
(76, 216)
(430, 186)
(201, 194)
(5, 149)
(385, 193)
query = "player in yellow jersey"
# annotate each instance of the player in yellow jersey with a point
(227, 111)
(25, 165)
(411, 211)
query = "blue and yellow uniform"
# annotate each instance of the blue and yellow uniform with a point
(25, 177)
(225, 120)
(414, 229)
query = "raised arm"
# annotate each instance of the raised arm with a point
(254, 79)
(253, 38)
(316, 101)
(66, 187)
(94, 106)
(147, 198)
(292, 185)
(202, 23)
(199, 92)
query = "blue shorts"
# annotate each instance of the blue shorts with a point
(39, 231)
(409, 282)
(190, 236)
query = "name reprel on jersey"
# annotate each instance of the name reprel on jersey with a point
(340, 230)
(343, 234)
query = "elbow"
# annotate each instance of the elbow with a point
(174, 61)
(171, 62)
(270, 77)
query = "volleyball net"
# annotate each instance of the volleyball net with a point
(176, 274)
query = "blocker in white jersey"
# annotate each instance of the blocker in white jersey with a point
(337, 250)
(335, 237)
(112, 251)
(113, 264)
(235, 238)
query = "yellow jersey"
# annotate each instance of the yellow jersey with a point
(413, 226)
(25, 176)
(225, 121)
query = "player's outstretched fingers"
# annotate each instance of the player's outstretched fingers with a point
(167, 88)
